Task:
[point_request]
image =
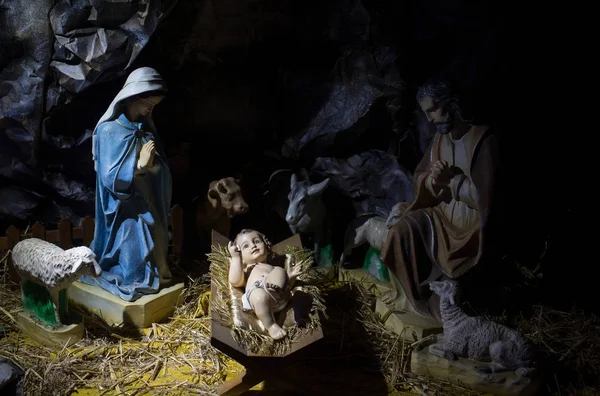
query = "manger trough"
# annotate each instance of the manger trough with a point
(240, 334)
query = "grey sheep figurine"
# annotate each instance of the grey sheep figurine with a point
(480, 339)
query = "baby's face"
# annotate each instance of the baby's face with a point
(253, 248)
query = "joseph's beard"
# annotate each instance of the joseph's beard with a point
(443, 127)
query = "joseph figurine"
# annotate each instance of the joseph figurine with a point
(441, 234)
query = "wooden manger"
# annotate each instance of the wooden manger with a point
(259, 365)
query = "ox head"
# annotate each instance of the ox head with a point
(227, 194)
(303, 197)
(84, 261)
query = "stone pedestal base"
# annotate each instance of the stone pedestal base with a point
(148, 309)
(408, 325)
(326, 272)
(365, 279)
(463, 371)
(67, 334)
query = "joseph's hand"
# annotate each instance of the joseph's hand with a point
(441, 174)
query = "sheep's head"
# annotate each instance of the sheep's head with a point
(445, 289)
(84, 261)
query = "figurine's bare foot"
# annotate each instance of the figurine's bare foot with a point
(165, 277)
(261, 302)
(276, 332)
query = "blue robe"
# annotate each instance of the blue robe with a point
(132, 208)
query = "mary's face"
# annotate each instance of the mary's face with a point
(144, 106)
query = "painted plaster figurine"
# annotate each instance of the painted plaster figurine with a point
(224, 200)
(480, 339)
(307, 214)
(441, 233)
(46, 273)
(133, 192)
(267, 287)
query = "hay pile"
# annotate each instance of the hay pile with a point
(171, 358)
(358, 355)
(569, 343)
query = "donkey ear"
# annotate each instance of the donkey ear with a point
(317, 189)
(293, 181)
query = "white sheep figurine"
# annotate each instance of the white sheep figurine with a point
(53, 268)
(370, 229)
(480, 339)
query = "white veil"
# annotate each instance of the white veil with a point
(144, 79)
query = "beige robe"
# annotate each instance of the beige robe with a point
(440, 235)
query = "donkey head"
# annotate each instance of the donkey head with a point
(304, 199)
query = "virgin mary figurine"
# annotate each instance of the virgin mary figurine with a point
(133, 192)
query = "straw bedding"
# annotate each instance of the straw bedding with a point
(358, 355)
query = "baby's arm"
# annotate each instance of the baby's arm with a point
(236, 269)
(293, 270)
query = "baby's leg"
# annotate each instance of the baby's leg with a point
(276, 279)
(261, 303)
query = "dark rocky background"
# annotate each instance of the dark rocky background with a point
(247, 77)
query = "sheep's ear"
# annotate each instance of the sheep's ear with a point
(77, 265)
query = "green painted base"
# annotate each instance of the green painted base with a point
(38, 302)
(52, 336)
(374, 266)
(326, 256)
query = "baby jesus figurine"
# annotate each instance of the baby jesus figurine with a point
(267, 287)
